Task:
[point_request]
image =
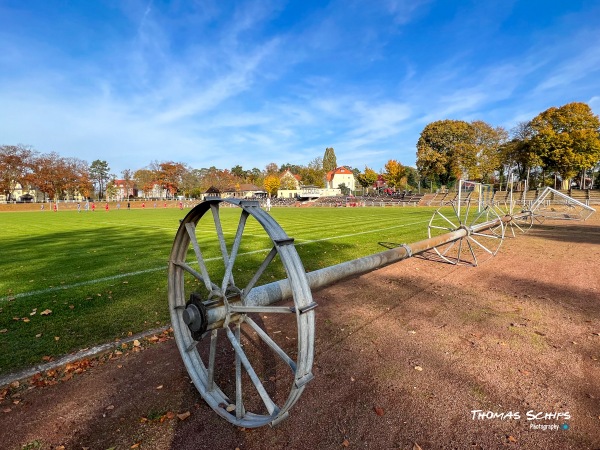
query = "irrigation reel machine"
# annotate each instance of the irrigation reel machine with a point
(248, 347)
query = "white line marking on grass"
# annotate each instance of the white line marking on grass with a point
(156, 269)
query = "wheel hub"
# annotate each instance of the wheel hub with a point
(194, 316)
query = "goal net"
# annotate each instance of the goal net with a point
(474, 194)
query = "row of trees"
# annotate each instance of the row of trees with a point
(58, 177)
(561, 142)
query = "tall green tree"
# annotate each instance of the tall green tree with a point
(445, 150)
(517, 155)
(99, 175)
(329, 160)
(567, 139)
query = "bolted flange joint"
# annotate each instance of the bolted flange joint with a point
(195, 317)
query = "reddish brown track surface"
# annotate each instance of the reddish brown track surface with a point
(403, 357)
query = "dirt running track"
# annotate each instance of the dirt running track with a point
(517, 338)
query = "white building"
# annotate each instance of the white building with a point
(338, 176)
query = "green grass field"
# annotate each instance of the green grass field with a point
(103, 274)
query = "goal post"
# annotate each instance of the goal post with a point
(474, 193)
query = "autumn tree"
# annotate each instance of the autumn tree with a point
(75, 177)
(329, 160)
(170, 175)
(271, 168)
(145, 179)
(191, 182)
(487, 141)
(57, 177)
(517, 155)
(15, 168)
(567, 139)
(313, 174)
(272, 184)
(128, 181)
(395, 174)
(217, 178)
(288, 181)
(99, 174)
(367, 178)
(445, 150)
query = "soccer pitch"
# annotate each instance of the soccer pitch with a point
(73, 280)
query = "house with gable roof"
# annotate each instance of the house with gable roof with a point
(338, 176)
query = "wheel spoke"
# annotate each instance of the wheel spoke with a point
(474, 222)
(467, 212)
(239, 404)
(191, 231)
(217, 219)
(454, 227)
(472, 252)
(259, 272)
(271, 343)
(481, 245)
(448, 248)
(234, 251)
(211, 287)
(211, 360)
(460, 243)
(271, 407)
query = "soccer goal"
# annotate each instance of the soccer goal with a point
(473, 193)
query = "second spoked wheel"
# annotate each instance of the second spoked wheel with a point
(249, 359)
(483, 230)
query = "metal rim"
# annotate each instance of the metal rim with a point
(478, 243)
(201, 353)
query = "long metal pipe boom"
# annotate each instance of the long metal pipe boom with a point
(271, 293)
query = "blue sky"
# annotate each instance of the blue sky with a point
(220, 83)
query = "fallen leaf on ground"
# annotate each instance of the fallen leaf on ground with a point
(136, 445)
(159, 387)
(4, 330)
(46, 312)
(109, 407)
(512, 439)
(419, 368)
(416, 446)
(170, 415)
(6, 410)
(136, 343)
(379, 411)
(184, 415)
(26, 319)
(346, 443)
(230, 408)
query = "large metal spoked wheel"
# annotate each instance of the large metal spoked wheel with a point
(249, 361)
(521, 219)
(483, 229)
